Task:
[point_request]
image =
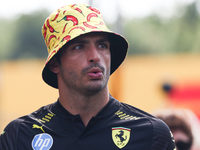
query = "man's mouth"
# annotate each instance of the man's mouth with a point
(95, 73)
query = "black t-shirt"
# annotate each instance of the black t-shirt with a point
(116, 126)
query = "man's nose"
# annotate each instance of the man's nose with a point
(94, 55)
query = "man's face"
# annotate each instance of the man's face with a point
(85, 63)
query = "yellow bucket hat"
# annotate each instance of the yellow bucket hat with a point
(71, 21)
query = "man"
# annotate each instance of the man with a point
(83, 53)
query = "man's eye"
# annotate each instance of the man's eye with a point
(78, 47)
(104, 46)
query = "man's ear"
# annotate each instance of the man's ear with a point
(54, 65)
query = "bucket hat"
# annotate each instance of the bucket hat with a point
(71, 21)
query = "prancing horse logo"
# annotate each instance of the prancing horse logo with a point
(121, 133)
(120, 136)
(38, 127)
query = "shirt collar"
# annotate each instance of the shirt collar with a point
(110, 108)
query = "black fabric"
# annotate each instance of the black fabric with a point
(116, 126)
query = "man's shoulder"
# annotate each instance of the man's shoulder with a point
(129, 112)
(149, 125)
(129, 109)
(125, 110)
(30, 118)
(18, 128)
(14, 124)
(42, 111)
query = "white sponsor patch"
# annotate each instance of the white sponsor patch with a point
(42, 141)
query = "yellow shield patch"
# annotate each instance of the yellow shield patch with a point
(120, 136)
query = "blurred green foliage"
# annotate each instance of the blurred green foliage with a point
(156, 35)
(22, 38)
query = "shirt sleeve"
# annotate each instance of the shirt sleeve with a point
(162, 136)
(8, 138)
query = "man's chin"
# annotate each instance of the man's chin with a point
(92, 89)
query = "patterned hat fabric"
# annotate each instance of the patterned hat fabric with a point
(71, 21)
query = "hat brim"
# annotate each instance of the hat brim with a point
(118, 49)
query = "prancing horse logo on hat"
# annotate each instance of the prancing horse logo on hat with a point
(120, 136)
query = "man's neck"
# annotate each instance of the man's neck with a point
(86, 106)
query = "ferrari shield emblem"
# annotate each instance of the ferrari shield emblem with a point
(120, 136)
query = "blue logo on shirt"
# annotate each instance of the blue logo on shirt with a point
(42, 141)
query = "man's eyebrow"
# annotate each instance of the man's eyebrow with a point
(78, 41)
(83, 41)
(103, 40)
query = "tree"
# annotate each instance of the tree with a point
(28, 40)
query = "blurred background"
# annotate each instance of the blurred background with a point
(162, 69)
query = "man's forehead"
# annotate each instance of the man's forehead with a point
(93, 35)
